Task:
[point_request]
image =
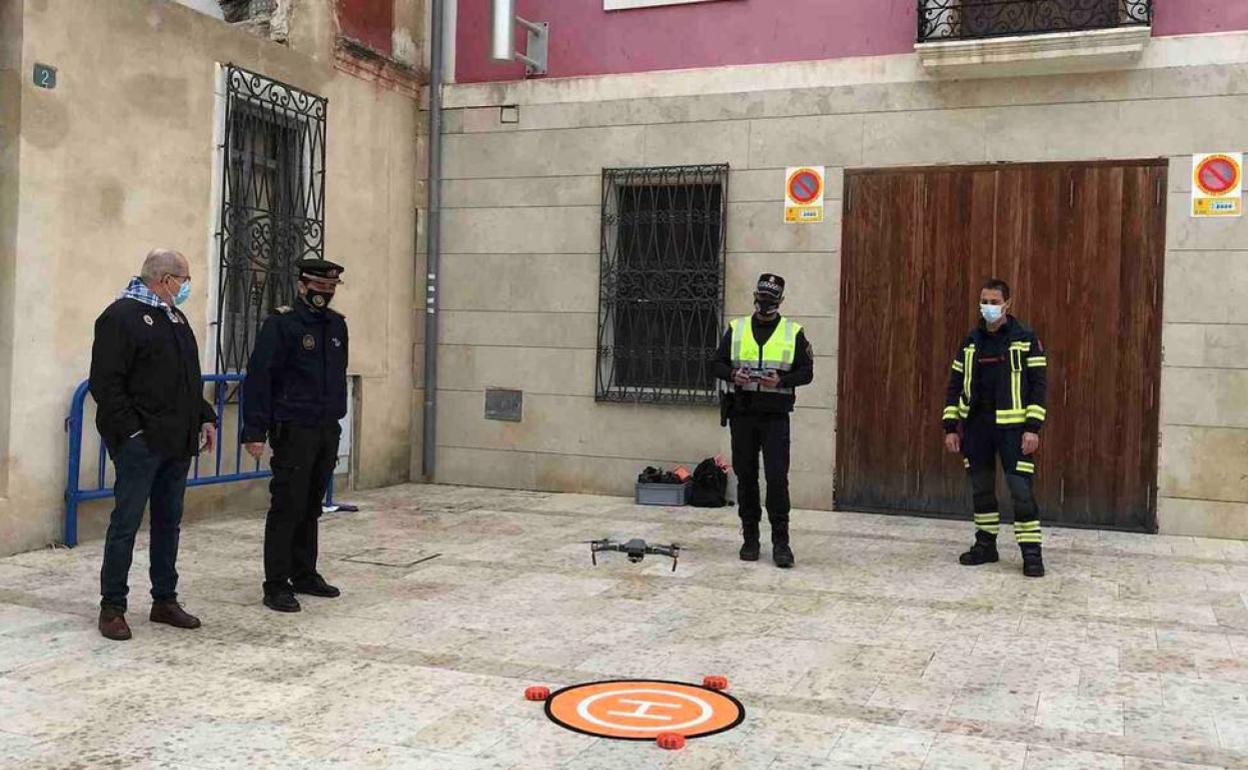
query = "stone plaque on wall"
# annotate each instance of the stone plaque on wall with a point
(504, 404)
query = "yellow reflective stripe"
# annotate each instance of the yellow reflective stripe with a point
(958, 367)
(1027, 534)
(1037, 361)
(738, 340)
(1036, 413)
(968, 364)
(950, 413)
(966, 463)
(988, 522)
(1020, 346)
(1011, 416)
(1023, 467)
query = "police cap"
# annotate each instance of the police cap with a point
(770, 285)
(320, 270)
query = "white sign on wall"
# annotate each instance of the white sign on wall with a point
(803, 195)
(1218, 184)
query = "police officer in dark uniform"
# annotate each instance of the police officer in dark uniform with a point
(294, 395)
(761, 360)
(994, 408)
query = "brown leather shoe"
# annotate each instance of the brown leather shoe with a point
(171, 613)
(113, 625)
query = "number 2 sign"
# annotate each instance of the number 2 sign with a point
(45, 76)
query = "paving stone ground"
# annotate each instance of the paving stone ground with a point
(879, 650)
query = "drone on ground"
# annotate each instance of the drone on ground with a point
(636, 550)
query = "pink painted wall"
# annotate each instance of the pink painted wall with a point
(586, 40)
(1186, 17)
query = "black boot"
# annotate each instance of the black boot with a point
(781, 553)
(1033, 560)
(749, 535)
(282, 601)
(314, 586)
(983, 552)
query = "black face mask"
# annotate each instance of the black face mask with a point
(766, 306)
(318, 300)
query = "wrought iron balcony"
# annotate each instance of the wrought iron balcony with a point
(941, 20)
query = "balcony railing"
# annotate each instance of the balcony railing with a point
(941, 20)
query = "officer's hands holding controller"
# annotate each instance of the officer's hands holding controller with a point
(743, 377)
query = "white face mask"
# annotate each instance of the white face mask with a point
(991, 313)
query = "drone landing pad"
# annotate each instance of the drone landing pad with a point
(641, 709)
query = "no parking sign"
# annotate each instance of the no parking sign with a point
(803, 195)
(1218, 184)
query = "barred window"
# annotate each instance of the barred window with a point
(661, 283)
(272, 204)
(973, 19)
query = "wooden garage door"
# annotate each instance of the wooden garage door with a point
(1082, 247)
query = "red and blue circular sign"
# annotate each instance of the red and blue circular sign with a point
(1217, 175)
(805, 186)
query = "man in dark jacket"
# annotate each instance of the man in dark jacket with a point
(995, 407)
(294, 396)
(764, 357)
(151, 412)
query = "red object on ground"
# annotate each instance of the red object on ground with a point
(715, 682)
(671, 741)
(681, 472)
(537, 693)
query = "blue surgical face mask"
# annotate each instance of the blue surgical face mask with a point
(991, 313)
(184, 291)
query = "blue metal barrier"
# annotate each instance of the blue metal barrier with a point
(75, 494)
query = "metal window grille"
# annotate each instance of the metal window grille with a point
(976, 19)
(661, 283)
(272, 204)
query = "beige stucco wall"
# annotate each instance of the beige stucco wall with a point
(522, 235)
(10, 115)
(119, 158)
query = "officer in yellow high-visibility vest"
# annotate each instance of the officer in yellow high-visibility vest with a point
(761, 360)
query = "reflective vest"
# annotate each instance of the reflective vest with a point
(777, 353)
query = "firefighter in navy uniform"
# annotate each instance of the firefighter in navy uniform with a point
(762, 359)
(996, 395)
(294, 395)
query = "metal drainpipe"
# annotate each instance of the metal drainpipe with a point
(434, 232)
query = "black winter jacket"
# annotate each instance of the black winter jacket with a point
(145, 377)
(297, 372)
